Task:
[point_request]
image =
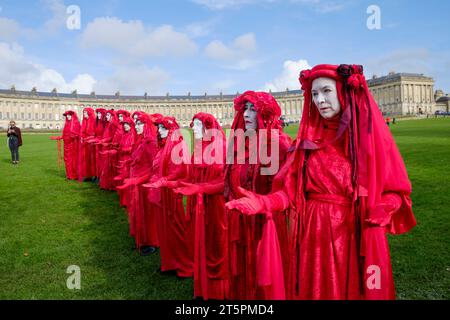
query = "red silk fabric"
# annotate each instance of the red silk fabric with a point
(250, 244)
(71, 137)
(87, 151)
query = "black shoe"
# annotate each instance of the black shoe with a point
(147, 250)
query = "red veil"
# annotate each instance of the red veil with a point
(381, 199)
(87, 152)
(71, 134)
(256, 242)
(208, 209)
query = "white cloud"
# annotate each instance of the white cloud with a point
(134, 80)
(16, 68)
(136, 40)
(235, 56)
(59, 15)
(9, 29)
(201, 28)
(288, 77)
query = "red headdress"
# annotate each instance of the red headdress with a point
(71, 127)
(88, 125)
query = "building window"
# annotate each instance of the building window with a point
(36, 116)
(29, 116)
(49, 116)
(7, 115)
(22, 116)
(43, 116)
(1, 115)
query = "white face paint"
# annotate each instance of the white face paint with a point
(197, 128)
(99, 116)
(126, 127)
(250, 117)
(135, 118)
(163, 132)
(325, 97)
(139, 127)
(108, 117)
(120, 117)
(69, 117)
(85, 115)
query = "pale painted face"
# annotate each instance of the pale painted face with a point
(163, 132)
(108, 117)
(69, 117)
(135, 118)
(126, 127)
(85, 115)
(250, 117)
(99, 116)
(139, 127)
(197, 128)
(325, 97)
(120, 117)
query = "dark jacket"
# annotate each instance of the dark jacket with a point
(16, 132)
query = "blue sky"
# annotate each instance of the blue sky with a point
(211, 46)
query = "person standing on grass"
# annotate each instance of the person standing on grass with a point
(14, 141)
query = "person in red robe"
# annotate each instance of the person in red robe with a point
(111, 137)
(100, 122)
(124, 151)
(346, 185)
(251, 274)
(87, 151)
(204, 187)
(132, 191)
(175, 228)
(108, 155)
(71, 138)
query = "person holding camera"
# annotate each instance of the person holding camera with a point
(14, 141)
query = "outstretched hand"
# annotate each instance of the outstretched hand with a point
(188, 189)
(157, 184)
(250, 203)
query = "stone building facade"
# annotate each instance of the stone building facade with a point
(43, 110)
(396, 94)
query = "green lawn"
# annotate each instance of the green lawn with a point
(48, 224)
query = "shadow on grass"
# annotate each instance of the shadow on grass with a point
(124, 273)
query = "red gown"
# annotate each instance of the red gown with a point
(99, 128)
(107, 163)
(71, 137)
(175, 228)
(208, 208)
(87, 151)
(249, 279)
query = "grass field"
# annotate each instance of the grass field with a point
(48, 224)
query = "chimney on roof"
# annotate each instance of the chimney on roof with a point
(93, 94)
(145, 96)
(391, 73)
(189, 94)
(167, 94)
(374, 77)
(117, 94)
(34, 90)
(75, 93)
(13, 89)
(55, 92)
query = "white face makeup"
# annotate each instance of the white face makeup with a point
(69, 117)
(85, 115)
(325, 97)
(121, 117)
(250, 117)
(135, 118)
(108, 117)
(126, 127)
(139, 127)
(197, 128)
(99, 116)
(163, 132)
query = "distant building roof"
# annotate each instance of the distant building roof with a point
(443, 99)
(396, 76)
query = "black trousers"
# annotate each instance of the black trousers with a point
(14, 147)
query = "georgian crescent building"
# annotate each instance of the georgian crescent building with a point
(396, 94)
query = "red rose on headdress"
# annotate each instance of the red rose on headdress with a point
(305, 76)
